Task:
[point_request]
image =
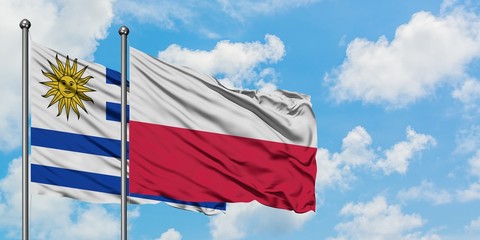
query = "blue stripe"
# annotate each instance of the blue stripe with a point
(75, 179)
(97, 182)
(76, 142)
(211, 205)
(114, 111)
(114, 77)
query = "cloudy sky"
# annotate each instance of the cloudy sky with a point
(395, 87)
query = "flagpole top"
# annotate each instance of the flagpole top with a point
(25, 24)
(123, 30)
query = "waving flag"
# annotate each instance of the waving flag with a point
(193, 139)
(75, 132)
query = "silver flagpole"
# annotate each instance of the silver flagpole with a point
(25, 26)
(123, 31)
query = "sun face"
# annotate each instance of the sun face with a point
(67, 87)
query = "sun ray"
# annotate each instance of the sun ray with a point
(83, 81)
(61, 68)
(84, 97)
(81, 88)
(79, 103)
(75, 109)
(52, 77)
(50, 92)
(77, 75)
(67, 67)
(74, 68)
(67, 86)
(55, 99)
(61, 103)
(56, 71)
(51, 84)
(67, 106)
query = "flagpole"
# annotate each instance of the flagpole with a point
(123, 31)
(25, 26)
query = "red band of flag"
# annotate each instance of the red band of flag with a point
(199, 166)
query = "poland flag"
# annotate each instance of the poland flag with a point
(192, 139)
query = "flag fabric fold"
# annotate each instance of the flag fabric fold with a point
(75, 132)
(193, 139)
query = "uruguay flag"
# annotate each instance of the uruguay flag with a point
(75, 132)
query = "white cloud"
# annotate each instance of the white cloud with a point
(473, 226)
(164, 13)
(243, 219)
(411, 66)
(170, 234)
(448, 5)
(332, 171)
(243, 9)
(471, 231)
(11, 196)
(91, 222)
(468, 93)
(337, 168)
(474, 163)
(468, 140)
(470, 194)
(171, 14)
(398, 157)
(133, 213)
(235, 63)
(357, 152)
(82, 24)
(425, 191)
(52, 217)
(377, 220)
(420, 236)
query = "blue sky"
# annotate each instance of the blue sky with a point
(394, 85)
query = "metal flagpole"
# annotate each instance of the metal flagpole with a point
(25, 26)
(123, 31)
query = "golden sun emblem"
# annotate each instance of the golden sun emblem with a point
(67, 87)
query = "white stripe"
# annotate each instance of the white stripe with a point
(179, 97)
(84, 195)
(99, 197)
(76, 161)
(204, 210)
